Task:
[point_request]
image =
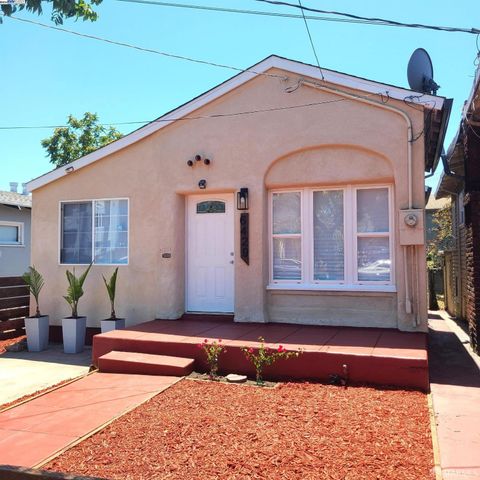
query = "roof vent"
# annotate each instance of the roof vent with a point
(13, 187)
(24, 189)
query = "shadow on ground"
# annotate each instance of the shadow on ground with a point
(449, 361)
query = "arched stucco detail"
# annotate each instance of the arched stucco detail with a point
(329, 165)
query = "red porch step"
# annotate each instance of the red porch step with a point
(144, 364)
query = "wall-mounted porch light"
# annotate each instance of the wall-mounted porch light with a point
(242, 199)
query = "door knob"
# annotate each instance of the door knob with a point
(231, 261)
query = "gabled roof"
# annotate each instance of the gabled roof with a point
(15, 199)
(297, 68)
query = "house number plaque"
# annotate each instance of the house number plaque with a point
(244, 244)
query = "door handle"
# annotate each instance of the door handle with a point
(231, 261)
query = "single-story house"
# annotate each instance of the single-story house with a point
(460, 182)
(15, 214)
(285, 194)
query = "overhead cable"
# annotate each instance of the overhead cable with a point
(148, 50)
(374, 20)
(311, 41)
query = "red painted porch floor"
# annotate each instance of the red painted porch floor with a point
(378, 356)
(37, 429)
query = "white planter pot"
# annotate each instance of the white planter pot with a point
(37, 329)
(73, 330)
(109, 324)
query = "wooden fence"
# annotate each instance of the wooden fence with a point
(14, 303)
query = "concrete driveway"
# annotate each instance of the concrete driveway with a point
(23, 373)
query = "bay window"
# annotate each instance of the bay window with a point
(94, 231)
(332, 238)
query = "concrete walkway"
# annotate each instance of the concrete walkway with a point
(455, 387)
(34, 431)
(24, 373)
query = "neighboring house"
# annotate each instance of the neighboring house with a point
(332, 167)
(460, 182)
(15, 213)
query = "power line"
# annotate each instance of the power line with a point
(311, 40)
(244, 11)
(351, 18)
(374, 20)
(196, 117)
(148, 50)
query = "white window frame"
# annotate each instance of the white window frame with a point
(21, 233)
(350, 281)
(92, 201)
(288, 235)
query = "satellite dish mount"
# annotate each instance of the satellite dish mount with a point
(420, 72)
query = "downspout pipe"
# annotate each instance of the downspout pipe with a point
(391, 108)
(408, 121)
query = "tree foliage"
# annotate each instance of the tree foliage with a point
(443, 237)
(80, 137)
(61, 9)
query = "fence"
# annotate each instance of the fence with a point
(14, 303)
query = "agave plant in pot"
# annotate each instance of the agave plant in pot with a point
(75, 326)
(112, 323)
(37, 325)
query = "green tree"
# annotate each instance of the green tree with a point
(61, 9)
(80, 137)
(443, 239)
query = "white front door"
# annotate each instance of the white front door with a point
(210, 254)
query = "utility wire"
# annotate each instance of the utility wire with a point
(359, 20)
(196, 117)
(245, 11)
(148, 50)
(311, 40)
(374, 20)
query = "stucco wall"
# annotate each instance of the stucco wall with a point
(15, 259)
(332, 143)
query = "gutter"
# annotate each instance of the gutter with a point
(447, 109)
(447, 171)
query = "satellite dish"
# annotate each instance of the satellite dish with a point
(420, 72)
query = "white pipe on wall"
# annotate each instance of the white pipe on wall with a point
(408, 121)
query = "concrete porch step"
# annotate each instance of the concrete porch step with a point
(144, 364)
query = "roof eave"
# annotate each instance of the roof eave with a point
(273, 61)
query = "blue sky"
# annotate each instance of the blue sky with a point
(48, 75)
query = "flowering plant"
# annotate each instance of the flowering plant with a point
(212, 351)
(265, 356)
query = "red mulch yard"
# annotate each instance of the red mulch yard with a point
(206, 430)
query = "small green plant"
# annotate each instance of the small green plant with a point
(263, 356)
(212, 351)
(75, 289)
(111, 287)
(35, 283)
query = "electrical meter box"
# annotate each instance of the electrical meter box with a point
(412, 226)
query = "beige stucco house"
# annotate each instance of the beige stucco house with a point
(333, 233)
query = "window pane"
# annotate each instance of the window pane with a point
(111, 231)
(372, 210)
(373, 259)
(287, 259)
(213, 206)
(76, 233)
(328, 242)
(286, 212)
(9, 235)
